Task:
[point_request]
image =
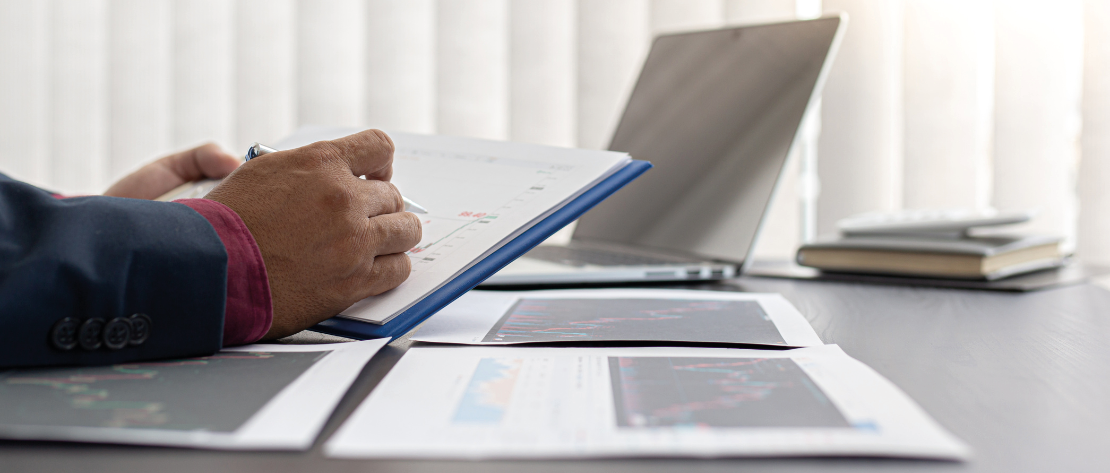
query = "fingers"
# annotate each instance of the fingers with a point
(368, 153)
(214, 162)
(392, 233)
(205, 161)
(388, 272)
(381, 197)
(163, 175)
(382, 251)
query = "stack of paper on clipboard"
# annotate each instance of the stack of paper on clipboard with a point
(488, 203)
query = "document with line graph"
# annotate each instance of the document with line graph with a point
(480, 194)
(619, 315)
(510, 402)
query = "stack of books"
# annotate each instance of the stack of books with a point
(937, 244)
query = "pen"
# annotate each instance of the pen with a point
(259, 149)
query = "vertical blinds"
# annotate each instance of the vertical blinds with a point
(931, 103)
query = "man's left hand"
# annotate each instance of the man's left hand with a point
(157, 178)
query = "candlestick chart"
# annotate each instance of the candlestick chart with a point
(655, 392)
(710, 321)
(214, 393)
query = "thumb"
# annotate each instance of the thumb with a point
(163, 175)
(207, 161)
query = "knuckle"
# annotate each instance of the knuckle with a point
(376, 232)
(338, 197)
(386, 198)
(360, 231)
(406, 266)
(415, 229)
(322, 153)
(355, 240)
(344, 293)
(398, 200)
(385, 143)
(393, 271)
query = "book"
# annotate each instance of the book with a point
(488, 203)
(961, 257)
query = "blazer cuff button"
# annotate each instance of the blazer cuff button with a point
(63, 335)
(140, 328)
(117, 333)
(89, 334)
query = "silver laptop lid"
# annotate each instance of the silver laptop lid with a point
(717, 113)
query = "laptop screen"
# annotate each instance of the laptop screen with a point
(716, 112)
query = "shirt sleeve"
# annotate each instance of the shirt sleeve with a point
(249, 311)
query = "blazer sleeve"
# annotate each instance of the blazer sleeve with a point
(102, 280)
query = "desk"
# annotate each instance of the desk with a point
(1023, 378)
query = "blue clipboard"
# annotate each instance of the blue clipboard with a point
(481, 270)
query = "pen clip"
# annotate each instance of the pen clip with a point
(256, 150)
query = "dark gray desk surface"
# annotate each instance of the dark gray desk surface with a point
(1023, 378)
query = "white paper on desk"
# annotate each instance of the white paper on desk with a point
(511, 402)
(479, 194)
(593, 315)
(256, 397)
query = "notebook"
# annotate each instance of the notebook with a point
(963, 257)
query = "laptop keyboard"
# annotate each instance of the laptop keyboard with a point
(584, 256)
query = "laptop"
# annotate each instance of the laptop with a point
(717, 112)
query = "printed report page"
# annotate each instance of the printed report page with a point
(507, 402)
(597, 315)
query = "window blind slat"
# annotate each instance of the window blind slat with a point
(759, 11)
(948, 86)
(140, 40)
(1094, 171)
(860, 149)
(472, 77)
(265, 71)
(79, 89)
(25, 90)
(613, 39)
(331, 62)
(1039, 73)
(203, 73)
(685, 15)
(401, 65)
(543, 67)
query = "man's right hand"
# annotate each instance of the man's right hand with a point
(328, 238)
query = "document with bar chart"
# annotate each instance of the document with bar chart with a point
(510, 402)
(625, 315)
(480, 194)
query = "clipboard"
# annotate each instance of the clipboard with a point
(485, 268)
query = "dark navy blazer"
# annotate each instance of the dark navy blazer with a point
(101, 280)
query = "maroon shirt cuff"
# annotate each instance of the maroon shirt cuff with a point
(249, 312)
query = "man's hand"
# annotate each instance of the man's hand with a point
(328, 238)
(157, 178)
